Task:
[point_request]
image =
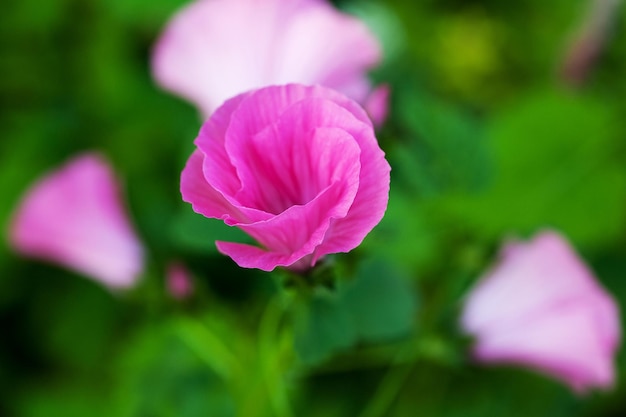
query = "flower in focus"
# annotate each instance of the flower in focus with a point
(541, 307)
(74, 217)
(215, 49)
(298, 168)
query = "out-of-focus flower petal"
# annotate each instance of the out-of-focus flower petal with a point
(178, 280)
(74, 217)
(377, 104)
(542, 307)
(215, 49)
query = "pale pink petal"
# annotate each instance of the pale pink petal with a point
(510, 291)
(74, 217)
(553, 344)
(541, 307)
(377, 104)
(215, 49)
(321, 46)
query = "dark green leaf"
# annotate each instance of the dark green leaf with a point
(381, 302)
(195, 232)
(323, 326)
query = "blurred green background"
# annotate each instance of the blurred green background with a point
(488, 137)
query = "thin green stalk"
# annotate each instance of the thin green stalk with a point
(271, 354)
(388, 390)
(209, 348)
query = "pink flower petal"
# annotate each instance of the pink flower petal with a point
(547, 262)
(306, 168)
(547, 344)
(205, 199)
(261, 108)
(377, 104)
(541, 307)
(215, 49)
(290, 236)
(179, 283)
(74, 217)
(279, 170)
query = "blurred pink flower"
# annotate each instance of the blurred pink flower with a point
(297, 168)
(377, 104)
(212, 50)
(74, 217)
(179, 284)
(541, 307)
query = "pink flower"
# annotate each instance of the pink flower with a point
(297, 168)
(74, 217)
(377, 104)
(213, 50)
(179, 284)
(541, 307)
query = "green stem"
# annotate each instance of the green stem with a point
(271, 355)
(389, 388)
(209, 347)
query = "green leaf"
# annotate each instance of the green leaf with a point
(323, 327)
(377, 305)
(558, 166)
(381, 302)
(194, 232)
(162, 377)
(405, 221)
(444, 149)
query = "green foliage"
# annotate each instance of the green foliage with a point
(194, 232)
(483, 139)
(168, 379)
(376, 305)
(442, 148)
(558, 165)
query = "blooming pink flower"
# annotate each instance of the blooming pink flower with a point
(74, 217)
(297, 168)
(179, 283)
(541, 307)
(213, 50)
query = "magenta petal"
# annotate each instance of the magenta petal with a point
(265, 106)
(295, 158)
(298, 168)
(205, 199)
(218, 168)
(215, 49)
(541, 307)
(247, 256)
(74, 217)
(291, 236)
